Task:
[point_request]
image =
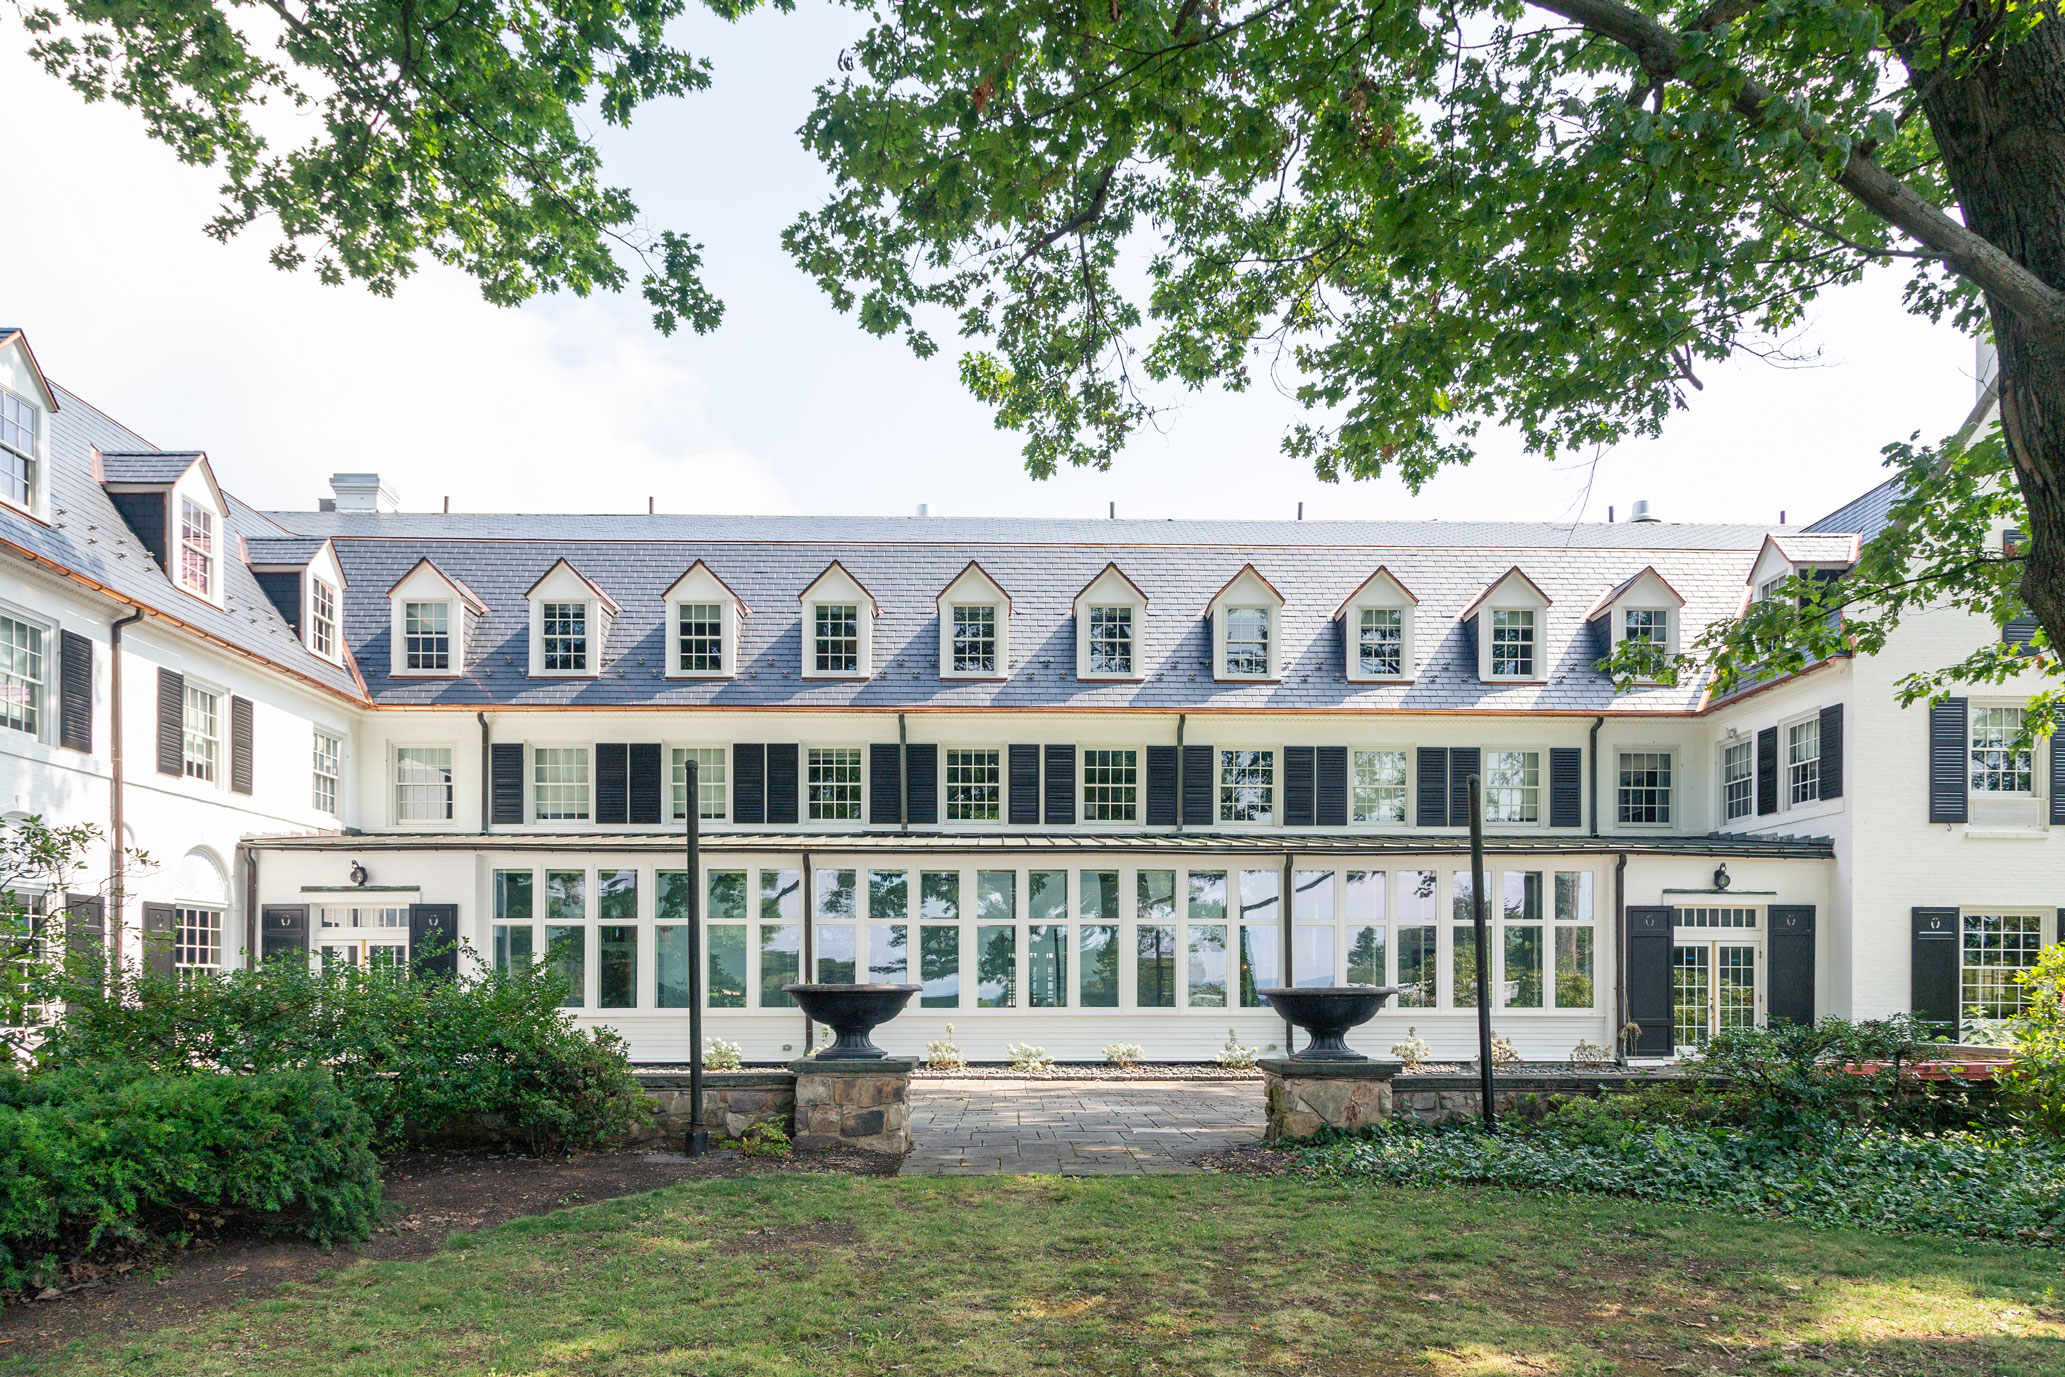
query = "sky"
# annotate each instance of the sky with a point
(579, 405)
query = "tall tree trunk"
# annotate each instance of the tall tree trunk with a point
(2001, 129)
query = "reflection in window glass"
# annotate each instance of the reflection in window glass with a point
(1523, 971)
(1046, 966)
(1574, 968)
(781, 896)
(1207, 896)
(939, 896)
(889, 953)
(727, 896)
(727, 975)
(833, 894)
(889, 895)
(513, 946)
(1366, 954)
(513, 896)
(1259, 891)
(1099, 895)
(1416, 966)
(1260, 968)
(996, 965)
(566, 952)
(833, 949)
(996, 896)
(781, 957)
(616, 896)
(1312, 896)
(670, 960)
(566, 894)
(1098, 944)
(1464, 961)
(939, 967)
(1155, 968)
(1312, 956)
(617, 968)
(1207, 966)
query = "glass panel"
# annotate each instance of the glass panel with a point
(1996, 949)
(670, 959)
(1207, 966)
(1155, 975)
(727, 973)
(1416, 897)
(781, 896)
(833, 946)
(939, 967)
(1690, 993)
(833, 893)
(1735, 987)
(1207, 896)
(1573, 896)
(727, 896)
(1574, 968)
(1046, 966)
(1046, 896)
(1312, 896)
(889, 953)
(1098, 895)
(513, 895)
(1260, 966)
(566, 951)
(1462, 894)
(996, 965)
(1365, 896)
(617, 968)
(1312, 955)
(670, 896)
(996, 896)
(1366, 954)
(566, 894)
(1464, 962)
(616, 896)
(889, 895)
(939, 896)
(1099, 944)
(1521, 900)
(1523, 971)
(1259, 891)
(513, 946)
(1416, 967)
(781, 956)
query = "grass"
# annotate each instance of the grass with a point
(829, 1276)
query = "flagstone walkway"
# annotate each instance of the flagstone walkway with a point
(1076, 1128)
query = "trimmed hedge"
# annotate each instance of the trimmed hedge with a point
(90, 1156)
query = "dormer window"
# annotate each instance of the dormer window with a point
(835, 638)
(322, 618)
(975, 640)
(563, 641)
(1377, 629)
(17, 449)
(838, 626)
(1512, 643)
(427, 635)
(196, 547)
(1245, 639)
(1642, 610)
(974, 626)
(703, 615)
(1509, 621)
(1380, 642)
(570, 621)
(1650, 624)
(434, 617)
(701, 628)
(1111, 641)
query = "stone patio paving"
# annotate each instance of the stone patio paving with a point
(1076, 1128)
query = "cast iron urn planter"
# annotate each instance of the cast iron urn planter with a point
(1326, 1013)
(852, 1011)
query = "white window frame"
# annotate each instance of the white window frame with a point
(31, 457)
(590, 628)
(1128, 779)
(325, 628)
(700, 587)
(2005, 807)
(42, 686)
(1270, 649)
(837, 587)
(1224, 785)
(451, 638)
(1788, 785)
(1380, 592)
(947, 784)
(563, 757)
(1101, 620)
(191, 922)
(1111, 588)
(1355, 785)
(1669, 759)
(395, 784)
(677, 782)
(218, 758)
(950, 650)
(815, 640)
(1523, 801)
(1532, 643)
(1748, 746)
(2044, 930)
(823, 768)
(678, 627)
(334, 758)
(208, 550)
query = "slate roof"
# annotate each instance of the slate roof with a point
(88, 535)
(1866, 515)
(146, 466)
(282, 550)
(1802, 548)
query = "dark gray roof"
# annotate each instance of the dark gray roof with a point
(282, 550)
(86, 534)
(146, 466)
(1865, 516)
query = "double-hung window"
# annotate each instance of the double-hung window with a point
(2003, 764)
(975, 639)
(201, 751)
(17, 450)
(1512, 644)
(833, 783)
(559, 783)
(196, 940)
(1111, 785)
(1512, 786)
(322, 618)
(1380, 640)
(1111, 640)
(974, 786)
(427, 635)
(329, 756)
(835, 638)
(1738, 779)
(21, 674)
(711, 789)
(563, 637)
(1803, 762)
(1645, 788)
(1994, 949)
(422, 784)
(1247, 641)
(702, 637)
(1379, 786)
(1247, 786)
(196, 547)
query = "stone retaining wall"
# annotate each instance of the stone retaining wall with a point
(863, 1105)
(732, 1102)
(1444, 1098)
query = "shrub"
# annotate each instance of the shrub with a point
(1503, 1052)
(95, 1155)
(1801, 1079)
(1233, 1056)
(944, 1055)
(1412, 1049)
(1026, 1057)
(1125, 1055)
(2036, 1082)
(765, 1139)
(719, 1055)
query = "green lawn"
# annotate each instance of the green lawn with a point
(830, 1275)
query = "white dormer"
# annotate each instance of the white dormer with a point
(199, 530)
(1111, 628)
(26, 406)
(570, 621)
(1510, 620)
(302, 577)
(974, 627)
(1377, 630)
(703, 626)
(432, 618)
(1642, 608)
(1795, 553)
(1247, 629)
(838, 626)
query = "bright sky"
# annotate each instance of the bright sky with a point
(580, 406)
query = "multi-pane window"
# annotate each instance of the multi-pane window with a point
(702, 637)
(711, 788)
(1512, 644)
(1650, 624)
(1803, 762)
(427, 635)
(559, 783)
(196, 546)
(1512, 786)
(835, 638)
(422, 784)
(1995, 949)
(21, 674)
(196, 939)
(1645, 787)
(563, 636)
(322, 618)
(202, 746)
(17, 449)
(1380, 640)
(975, 640)
(2002, 762)
(1111, 640)
(1247, 640)
(1247, 786)
(1111, 786)
(1738, 780)
(329, 754)
(833, 783)
(1379, 786)
(974, 786)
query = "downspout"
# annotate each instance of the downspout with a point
(1620, 957)
(253, 928)
(903, 776)
(486, 772)
(1179, 772)
(1597, 723)
(118, 892)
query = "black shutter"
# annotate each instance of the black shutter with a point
(1431, 809)
(2057, 749)
(612, 783)
(1566, 786)
(1161, 786)
(1023, 803)
(1330, 787)
(1767, 771)
(157, 939)
(646, 787)
(239, 745)
(75, 691)
(1649, 980)
(885, 784)
(1790, 993)
(1932, 973)
(748, 783)
(921, 763)
(85, 927)
(434, 940)
(1299, 766)
(1199, 787)
(1832, 751)
(1947, 752)
(171, 722)
(505, 781)
(1463, 761)
(2019, 631)
(781, 781)
(283, 931)
(1061, 786)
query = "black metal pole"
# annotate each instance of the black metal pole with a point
(698, 1136)
(1483, 939)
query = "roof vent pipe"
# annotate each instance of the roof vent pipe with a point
(924, 509)
(1641, 512)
